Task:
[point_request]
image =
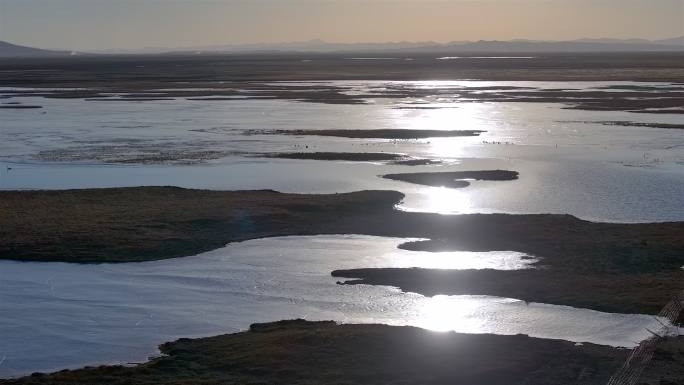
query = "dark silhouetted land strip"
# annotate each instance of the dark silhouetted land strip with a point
(376, 134)
(117, 224)
(251, 76)
(97, 71)
(301, 352)
(582, 266)
(148, 223)
(453, 179)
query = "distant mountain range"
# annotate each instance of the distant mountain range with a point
(455, 47)
(13, 50)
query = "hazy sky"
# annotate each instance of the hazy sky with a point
(102, 24)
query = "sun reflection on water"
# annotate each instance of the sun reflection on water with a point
(444, 200)
(468, 116)
(445, 313)
(459, 260)
(450, 112)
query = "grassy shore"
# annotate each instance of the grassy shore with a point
(453, 179)
(150, 223)
(625, 268)
(639, 292)
(301, 352)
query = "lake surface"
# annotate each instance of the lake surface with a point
(57, 315)
(568, 161)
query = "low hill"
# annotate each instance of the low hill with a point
(13, 50)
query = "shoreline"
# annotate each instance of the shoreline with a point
(373, 354)
(149, 223)
(452, 179)
(609, 267)
(255, 76)
(354, 353)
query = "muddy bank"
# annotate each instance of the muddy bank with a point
(453, 179)
(375, 134)
(301, 352)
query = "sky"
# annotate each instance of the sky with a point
(132, 24)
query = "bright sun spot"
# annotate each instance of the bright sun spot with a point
(444, 313)
(445, 113)
(501, 260)
(446, 200)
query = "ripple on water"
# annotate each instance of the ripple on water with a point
(118, 313)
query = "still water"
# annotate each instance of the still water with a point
(568, 162)
(58, 315)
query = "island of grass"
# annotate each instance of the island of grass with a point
(376, 133)
(453, 179)
(302, 352)
(624, 268)
(545, 284)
